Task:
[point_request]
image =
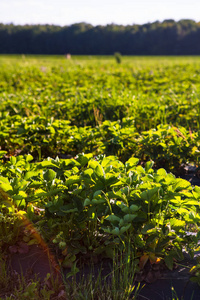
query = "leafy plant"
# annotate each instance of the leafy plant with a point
(117, 57)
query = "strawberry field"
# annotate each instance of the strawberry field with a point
(91, 155)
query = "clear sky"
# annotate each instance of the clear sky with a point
(96, 12)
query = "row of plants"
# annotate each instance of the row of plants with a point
(161, 91)
(92, 205)
(168, 146)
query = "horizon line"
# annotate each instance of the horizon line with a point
(103, 25)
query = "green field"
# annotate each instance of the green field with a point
(48, 102)
(89, 149)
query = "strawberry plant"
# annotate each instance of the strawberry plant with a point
(90, 205)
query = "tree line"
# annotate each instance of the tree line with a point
(158, 38)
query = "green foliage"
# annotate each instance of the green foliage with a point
(147, 107)
(93, 204)
(86, 155)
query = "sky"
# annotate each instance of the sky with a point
(96, 12)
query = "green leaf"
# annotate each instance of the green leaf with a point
(169, 261)
(5, 185)
(181, 184)
(47, 164)
(197, 189)
(124, 228)
(70, 163)
(86, 202)
(97, 193)
(115, 231)
(20, 203)
(98, 201)
(112, 218)
(2, 153)
(129, 218)
(124, 208)
(66, 210)
(162, 172)
(177, 223)
(100, 171)
(93, 164)
(49, 175)
(149, 194)
(108, 230)
(88, 172)
(146, 228)
(132, 162)
(121, 223)
(73, 179)
(28, 158)
(13, 160)
(148, 165)
(182, 211)
(83, 158)
(196, 195)
(141, 217)
(134, 208)
(69, 262)
(30, 174)
(111, 179)
(4, 180)
(36, 184)
(194, 216)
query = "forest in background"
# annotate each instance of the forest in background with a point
(158, 38)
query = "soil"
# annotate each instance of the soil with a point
(157, 283)
(35, 261)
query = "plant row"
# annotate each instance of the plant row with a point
(91, 205)
(168, 146)
(152, 92)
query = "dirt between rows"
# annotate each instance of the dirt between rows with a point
(157, 280)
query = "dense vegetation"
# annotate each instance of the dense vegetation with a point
(146, 107)
(78, 139)
(158, 38)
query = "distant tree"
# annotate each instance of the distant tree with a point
(157, 38)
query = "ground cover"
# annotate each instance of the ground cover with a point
(89, 149)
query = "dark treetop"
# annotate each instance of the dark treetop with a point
(158, 38)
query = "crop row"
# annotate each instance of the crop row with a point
(167, 145)
(92, 205)
(73, 90)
